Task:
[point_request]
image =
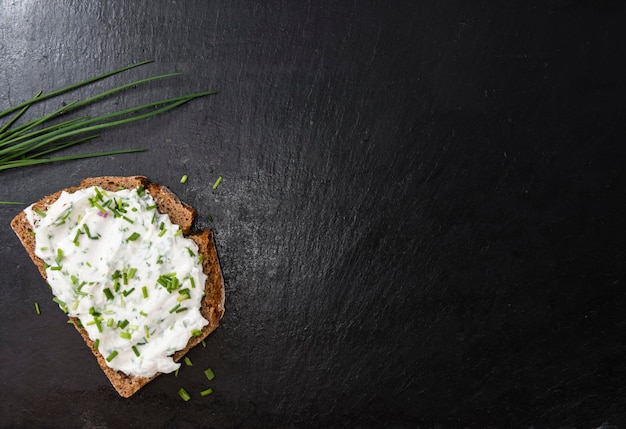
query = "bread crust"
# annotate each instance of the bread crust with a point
(183, 215)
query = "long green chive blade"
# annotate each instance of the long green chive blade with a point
(29, 162)
(37, 310)
(11, 203)
(183, 394)
(10, 122)
(206, 392)
(68, 88)
(210, 375)
(217, 182)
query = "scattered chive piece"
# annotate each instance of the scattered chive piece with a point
(128, 292)
(147, 331)
(210, 375)
(217, 182)
(183, 179)
(134, 236)
(135, 351)
(180, 310)
(144, 290)
(40, 213)
(112, 356)
(203, 343)
(108, 293)
(131, 273)
(175, 308)
(206, 392)
(58, 301)
(110, 322)
(176, 372)
(210, 218)
(37, 308)
(188, 361)
(125, 335)
(96, 343)
(183, 394)
(196, 332)
(122, 324)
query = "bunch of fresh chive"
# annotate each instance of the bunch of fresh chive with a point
(35, 141)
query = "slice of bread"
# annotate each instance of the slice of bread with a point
(181, 214)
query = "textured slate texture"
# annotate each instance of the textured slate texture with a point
(421, 219)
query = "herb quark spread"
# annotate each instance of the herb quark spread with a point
(126, 272)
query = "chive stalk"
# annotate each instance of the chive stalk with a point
(183, 394)
(32, 142)
(206, 392)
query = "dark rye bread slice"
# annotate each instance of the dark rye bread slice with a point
(181, 214)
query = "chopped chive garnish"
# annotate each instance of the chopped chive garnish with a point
(210, 218)
(192, 281)
(131, 273)
(196, 332)
(180, 310)
(58, 301)
(96, 343)
(147, 331)
(56, 268)
(110, 322)
(75, 306)
(152, 207)
(162, 232)
(108, 293)
(209, 374)
(125, 335)
(135, 351)
(98, 194)
(75, 241)
(37, 310)
(175, 308)
(140, 190)
(134, 236)
(143, 314)
(128, 292)
(40, 213)
(112, 356)
(183, 394)
(188, 361)
(122, 323)
(193, 255)
(183, 179)
(144, 290)
(206, 392)
(217, 182)
(176, 372)
(59, 256)
(203, 343)
(182, 298)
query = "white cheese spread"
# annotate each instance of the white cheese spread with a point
(126, 272)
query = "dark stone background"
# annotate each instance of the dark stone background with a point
(420, 224)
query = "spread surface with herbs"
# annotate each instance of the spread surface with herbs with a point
(126, 272)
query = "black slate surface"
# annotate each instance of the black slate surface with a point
(420, 224)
